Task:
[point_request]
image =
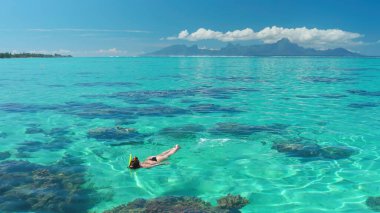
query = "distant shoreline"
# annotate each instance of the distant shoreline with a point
(237, 56)
(32, 55)
(195, 56)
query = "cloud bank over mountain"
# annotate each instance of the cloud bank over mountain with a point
(315, 38)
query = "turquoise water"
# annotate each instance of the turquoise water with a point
(323, 101)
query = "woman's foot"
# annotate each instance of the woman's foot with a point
(176, 147)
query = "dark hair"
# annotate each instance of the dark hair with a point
(135, 163)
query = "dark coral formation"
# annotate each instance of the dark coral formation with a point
(57, 140)
(306, 96)
(110, 133)
(238, 79)
(58, 132)
(56, 85)
(333, 96)
(124, 122)
(363, 105)
(27, 108)
(364, 92)
(189, 101)
(149, 94)
(54, 144)
(165, 204)
(232, 129)
(55, 132)
(221, 92)
(307, 149)
(106, 84)
(155, 108)
(34, 130)
(185, 131)
(337, 152)
(32, 187)
(163, 111)
(216, 93)
(99, 110)
(105, 113)
(232, 202)
(320, 79)
(241, 130)
(95, 110)
(5, 155)
(373, 203)
(91, 110)
(132, 136)
(212, 108)
(3, 135)
(142, 101)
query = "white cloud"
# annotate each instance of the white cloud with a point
(112, 52)
(207, 48)
(50, 52)
(183, 34)
(316, 38)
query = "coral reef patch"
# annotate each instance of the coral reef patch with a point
(184, 131)
(27, 186)
(307, 149)
(373, 203)
(128, 135)
(228, 204)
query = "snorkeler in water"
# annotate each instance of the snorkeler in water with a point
(153, 160)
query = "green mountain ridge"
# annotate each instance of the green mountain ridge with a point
(282, 47)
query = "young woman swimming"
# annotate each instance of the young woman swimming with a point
(153, 160)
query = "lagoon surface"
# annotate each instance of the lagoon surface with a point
(289, 134)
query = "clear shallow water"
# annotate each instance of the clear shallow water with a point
(325, 101)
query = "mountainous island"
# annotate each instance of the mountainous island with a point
(282, 47)
(31, 55)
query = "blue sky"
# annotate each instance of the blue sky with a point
(125, 27)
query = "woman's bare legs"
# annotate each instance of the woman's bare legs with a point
(165, 155)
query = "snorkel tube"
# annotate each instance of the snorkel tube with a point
(130, 159)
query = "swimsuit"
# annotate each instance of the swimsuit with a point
(154, 158)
